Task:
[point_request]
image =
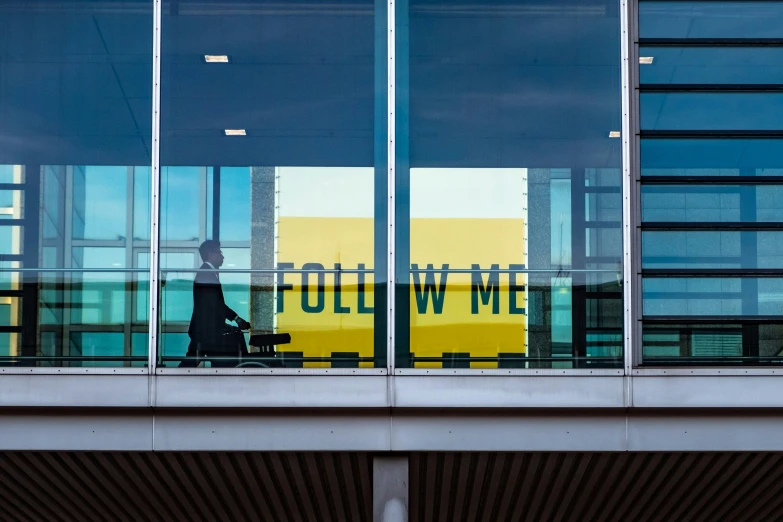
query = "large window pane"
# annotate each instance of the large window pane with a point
(712, 203)
(696, 111)
(712, 157)
(712, 343)
(712, 296)
(509, 199)
(715, 19)
(712, 249)
(711, 65)
(276, 154)
(75, 125)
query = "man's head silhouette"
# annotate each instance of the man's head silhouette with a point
(210, 252)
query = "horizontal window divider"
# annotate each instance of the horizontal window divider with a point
(75, 270)
(11, 293)
(269, 270)
(711, 134)
(253, 358)
(719, 226)
(725, 360)
(603, 259)
(10, 329)
(12, 186)
(712, 272)
(603, 224)
(692, 295)
(711, 42)
(12, 222)
(11, 257)
(460, 358)
(674, 320)
(117, 358)
(507, 271)
(712, 180)
(709, 87)
(603, 190)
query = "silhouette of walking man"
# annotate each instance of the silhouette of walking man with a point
(210, 311)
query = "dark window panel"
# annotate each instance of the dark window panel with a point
(716, 19)
(711, 65)
(701, 203)
(712, 296)
(712, 157)
(699, 111)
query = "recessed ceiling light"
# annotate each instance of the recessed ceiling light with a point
(614, 134)
(116, 264)
(646, 60)
(216, 58)
(235, 132)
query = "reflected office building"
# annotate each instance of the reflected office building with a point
(391, 260)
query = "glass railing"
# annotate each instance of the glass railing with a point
(74, 317)
(314, 317)
(510, 318)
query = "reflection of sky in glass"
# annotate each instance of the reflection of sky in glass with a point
(180, 189)
(141, 202)
(104, 202)
(235, 203)
(6, 173)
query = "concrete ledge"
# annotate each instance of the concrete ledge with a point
(271, 391)
(478, 391)
(72, 390)
(714, 391)
(577, 432)
(176, 432)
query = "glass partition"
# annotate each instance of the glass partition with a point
(75, 121)
(273, 185)
(711, 181)
(508, 188)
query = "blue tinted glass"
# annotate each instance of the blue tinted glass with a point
(75, 128)
(716, 19)
(100, 197)
(713, 296)
(712, 203)
(711, 65)
(299, 81)
(97, 349)
(77, 83)
(234, 203)
(494, 84)
(711, 111)
(712, 157)
(700, 343)
(712, 249)
(272, 146)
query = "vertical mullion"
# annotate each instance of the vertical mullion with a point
(630, 176)
(131, 279)
(155, 193)
(399, 207)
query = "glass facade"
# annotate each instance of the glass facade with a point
(259, 169)
(710, 193)
(75, 160)
(508, 191)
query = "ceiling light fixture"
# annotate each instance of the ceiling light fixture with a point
(235, 132)
(614, 134)
(646, 60)
(216, 58)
